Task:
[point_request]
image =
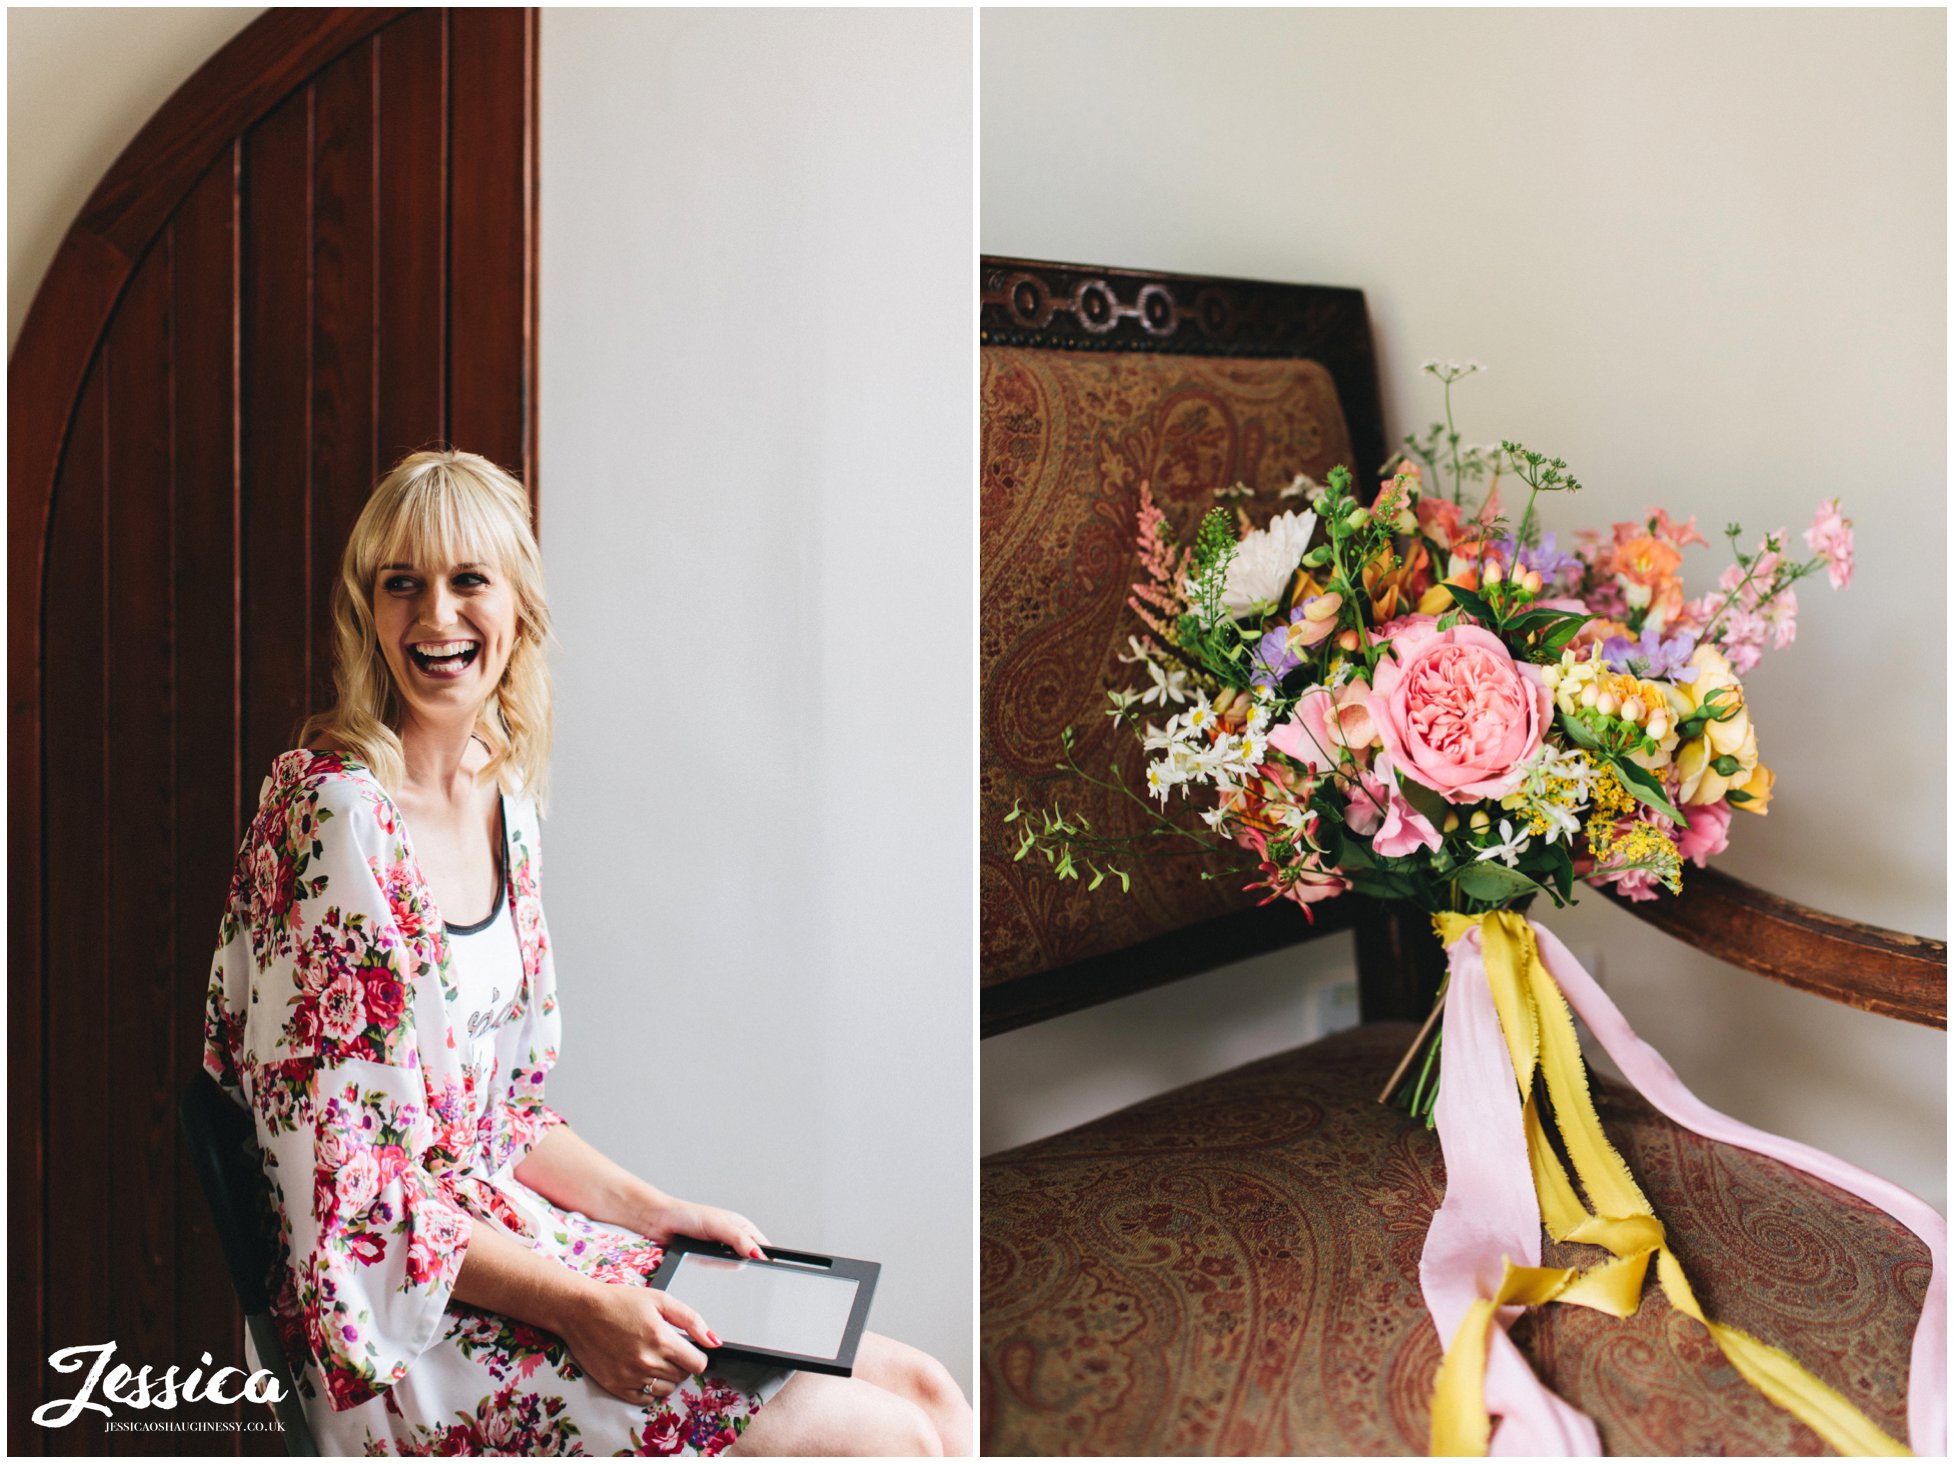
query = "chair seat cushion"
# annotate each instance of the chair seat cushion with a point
(1232, 1268)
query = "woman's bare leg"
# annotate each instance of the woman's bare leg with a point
(922, 1380)
(815, 1415)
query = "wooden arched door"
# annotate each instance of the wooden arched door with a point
(319, 254)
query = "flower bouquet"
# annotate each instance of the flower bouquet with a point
(1423, 700)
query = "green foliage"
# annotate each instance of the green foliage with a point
(1719, 706)
(1493, 883)
(1214, 551)
(1646, 787)
(1474, 604)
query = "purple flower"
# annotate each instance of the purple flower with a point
(1653, 656)
(1544, 557)
(1282, 649)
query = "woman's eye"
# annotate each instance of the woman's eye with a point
(397, 584)
(470, 579)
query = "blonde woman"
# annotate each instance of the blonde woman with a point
(460, 1272)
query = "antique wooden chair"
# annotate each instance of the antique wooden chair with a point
(1231, 1268)
(224, 1151)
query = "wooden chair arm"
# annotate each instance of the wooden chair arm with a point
(1189, 951)
(1865, 966)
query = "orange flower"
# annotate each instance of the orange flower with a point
(1394, 586)
(1646, 567)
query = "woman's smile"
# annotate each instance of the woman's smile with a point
(444, 660)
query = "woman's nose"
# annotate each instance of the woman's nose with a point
(438, 608)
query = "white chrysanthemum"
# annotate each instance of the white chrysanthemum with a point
(1264, 560)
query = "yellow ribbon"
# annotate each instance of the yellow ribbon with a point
(1540, 1037)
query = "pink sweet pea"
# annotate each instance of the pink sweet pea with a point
(1707, 833)
(1831, 536)
(1324, 723)
(1459, 714)
(1379, 811)
(1681, 535)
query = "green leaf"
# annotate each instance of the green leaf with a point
(1098, 877)
(1578, 734)
(1382, 885)
(1713, 709)
(1353, 855)
(1646, 787)
(1472, 604)
(1333, 840)
(1738, 795)
(1428, 801)
(1556, 640)
(1726, 765)
(1551, 864)
(1541, 619)
(1494, 883)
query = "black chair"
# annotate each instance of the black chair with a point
(224, 1148)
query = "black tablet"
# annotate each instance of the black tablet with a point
(802, 1311)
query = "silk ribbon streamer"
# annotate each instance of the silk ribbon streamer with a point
(1505, 1020)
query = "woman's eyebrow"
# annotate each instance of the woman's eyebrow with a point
(471, 564)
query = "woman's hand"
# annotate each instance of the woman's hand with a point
(627, 1339)
(705, 1222)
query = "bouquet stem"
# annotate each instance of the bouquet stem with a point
(1418, 1098)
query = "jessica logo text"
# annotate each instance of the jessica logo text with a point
(134, 1389)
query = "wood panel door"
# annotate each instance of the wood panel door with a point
(320, 254)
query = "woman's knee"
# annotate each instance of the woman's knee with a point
(908, 1372)
(817, 1415)
(910, 1432)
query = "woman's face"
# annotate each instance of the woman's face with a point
(447, 632)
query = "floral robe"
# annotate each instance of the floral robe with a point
(389, 1132)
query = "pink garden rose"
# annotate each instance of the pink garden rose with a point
(1459, 714)
(1380, 813)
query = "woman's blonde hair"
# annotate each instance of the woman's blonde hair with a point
(441, 507)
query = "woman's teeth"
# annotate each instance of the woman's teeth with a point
(444, 658)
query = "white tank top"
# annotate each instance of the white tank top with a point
(484, 959)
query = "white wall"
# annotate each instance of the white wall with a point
(756, 474)
(1704, 253)
(80, 84)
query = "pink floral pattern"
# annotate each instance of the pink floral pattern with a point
(389, 1131)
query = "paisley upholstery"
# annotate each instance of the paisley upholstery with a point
(1232, 1268)
(1068, 438)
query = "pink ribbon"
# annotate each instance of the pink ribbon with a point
(1490, 1212)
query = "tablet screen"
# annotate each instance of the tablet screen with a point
(780, 1308)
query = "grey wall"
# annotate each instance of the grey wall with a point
(1704, 253)
(757, 486)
